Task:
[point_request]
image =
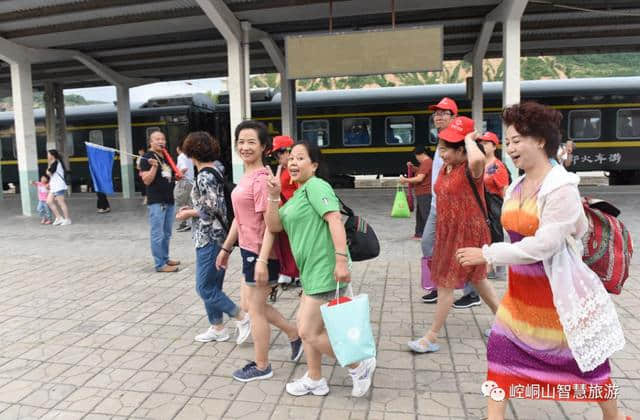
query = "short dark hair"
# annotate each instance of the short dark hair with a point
(47, 177)
(260, 129)
(315, 155)
(201, 146)
(420, 150)
(535, 120)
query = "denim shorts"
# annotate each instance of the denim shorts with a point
(249, 260)
(59, 193)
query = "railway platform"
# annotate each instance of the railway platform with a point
(89, 331)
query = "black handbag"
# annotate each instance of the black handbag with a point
(492, 212)
(361, 239)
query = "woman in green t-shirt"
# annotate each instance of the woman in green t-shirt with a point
(313, 223)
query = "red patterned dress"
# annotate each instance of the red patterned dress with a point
(460, 223)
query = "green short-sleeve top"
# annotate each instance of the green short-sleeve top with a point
(309, 235)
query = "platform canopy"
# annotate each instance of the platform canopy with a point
(174, 39)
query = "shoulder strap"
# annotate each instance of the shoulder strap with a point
(475, 192)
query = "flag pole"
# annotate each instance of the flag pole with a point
(111, 149)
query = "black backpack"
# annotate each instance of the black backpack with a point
(361, 239)
(227, 187)
(492, 212)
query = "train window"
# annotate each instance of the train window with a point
(68, 148)
(95, 137)
(151, 130)
(433, 132)
(316, 131)
(584, 124)
(356, 131)
(400, 130)
(493, 123)
(628, 123)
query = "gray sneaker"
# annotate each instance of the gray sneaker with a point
(251, 373)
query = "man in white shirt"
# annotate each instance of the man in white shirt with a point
(443, 113)
(182, 191)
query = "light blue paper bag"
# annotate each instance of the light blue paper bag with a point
(349, 329)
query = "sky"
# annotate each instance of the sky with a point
(143, 93)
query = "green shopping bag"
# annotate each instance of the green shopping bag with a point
(400, 205)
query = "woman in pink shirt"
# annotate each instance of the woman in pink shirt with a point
(259, 263)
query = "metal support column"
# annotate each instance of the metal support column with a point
(287, 86)
(288, 107)
(237, 99)
(477, 55)
(55, 120)
(246, 67)
(25, 129)
(125, 141)
(511, 55)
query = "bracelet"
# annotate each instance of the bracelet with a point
(342, 254)
(273, 200)
(226, 250)
(265, 262)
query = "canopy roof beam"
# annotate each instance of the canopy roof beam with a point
(12, 52)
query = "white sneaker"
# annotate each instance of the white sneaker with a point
(362, 376)
(284, 279)
(306, 385)
(244, 329)
(65, 222)
(57, 222)
(213, 335)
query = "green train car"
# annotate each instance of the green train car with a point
(368, 131)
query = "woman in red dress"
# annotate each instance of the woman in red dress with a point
(460, 221)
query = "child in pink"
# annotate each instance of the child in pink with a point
(43, 192)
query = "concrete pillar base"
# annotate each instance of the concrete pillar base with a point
(126, 142)
(25, 129)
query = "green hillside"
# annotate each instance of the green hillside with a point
(532, 68)
(6, 104)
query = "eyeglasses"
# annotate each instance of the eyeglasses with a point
(442, 113)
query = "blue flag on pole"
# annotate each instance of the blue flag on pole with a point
(101, 167)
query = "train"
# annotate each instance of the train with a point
(367, 131)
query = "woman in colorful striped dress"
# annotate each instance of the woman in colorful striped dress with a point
(529, 353)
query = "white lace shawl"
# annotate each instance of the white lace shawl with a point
(585, 309)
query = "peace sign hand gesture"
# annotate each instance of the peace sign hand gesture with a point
(273, 183)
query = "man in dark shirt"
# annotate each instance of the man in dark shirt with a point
(422, 184)
(158, 178)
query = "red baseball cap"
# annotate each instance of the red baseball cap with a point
(489, 136)
(457, 130)
(446, 104)
(282, 142)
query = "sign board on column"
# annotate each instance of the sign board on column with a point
(364, 52)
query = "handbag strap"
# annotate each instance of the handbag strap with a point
(338, 291)
(477, 196)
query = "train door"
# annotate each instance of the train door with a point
(175, 134)
(221, 124)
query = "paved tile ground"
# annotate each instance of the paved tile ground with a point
(89, 331)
